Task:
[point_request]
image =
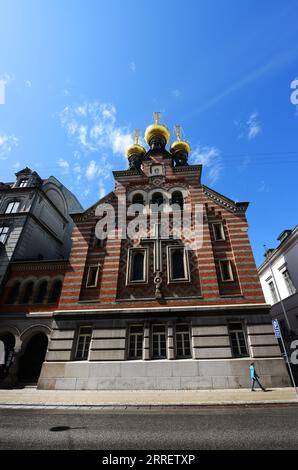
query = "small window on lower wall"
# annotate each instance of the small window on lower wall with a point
(226, 270)
(178, 265)
(218, 232)
(159, 344)
(182, 341)
(83, 343)
(238, 340)
(135, 345)
(92, 276)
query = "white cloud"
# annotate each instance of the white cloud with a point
(209, 157)
(102, 190)
(92, 170)
(64, 166)
(93, 126)
(120, 140)
(28, 84)
(253, 126)
(263, 187)
(176, 93)
(77, 168)
(133, 66)
(7, 143)
(7, 78)
(16, 165)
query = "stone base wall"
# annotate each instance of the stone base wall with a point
(161, 375)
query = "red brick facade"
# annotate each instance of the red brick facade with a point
(205, 287)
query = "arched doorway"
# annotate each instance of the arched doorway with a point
(33, 358)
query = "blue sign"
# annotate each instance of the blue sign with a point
(276, 328)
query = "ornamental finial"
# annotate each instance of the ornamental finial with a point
(156, 117)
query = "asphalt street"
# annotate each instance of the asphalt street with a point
(274, 427)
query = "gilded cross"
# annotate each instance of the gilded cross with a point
(178, 131)
(156, 117)
(137, 136)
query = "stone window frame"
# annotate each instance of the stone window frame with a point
(188, 327)
(291, 289)
(4, 234)
(221, 261)
(77, 341)
(171, 280)
(13, 201)
(140, 325)
(245, 335)
(130, 254)
(272, 289)
(23, 180)
(90, 267)
(223, 237)
(157, 358)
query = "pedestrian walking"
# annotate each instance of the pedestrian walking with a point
(255, 378)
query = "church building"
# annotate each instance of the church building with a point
(161, 289)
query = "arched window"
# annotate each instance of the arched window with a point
(178, 264)
(14, 293)
(55, 294)
(138, 199)
(177, 198)
(41, 293)
(157, 198)
(27, 294)
(138, 263)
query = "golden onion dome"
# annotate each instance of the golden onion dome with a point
(157, 129)
(179, 145)
(136, 148)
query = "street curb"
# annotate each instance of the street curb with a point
(146, 405)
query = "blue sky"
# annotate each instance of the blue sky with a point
(80, 76)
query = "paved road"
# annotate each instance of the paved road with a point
(197, 429)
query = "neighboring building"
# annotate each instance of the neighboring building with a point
(35, 242)
(148, 313)
(279, 279)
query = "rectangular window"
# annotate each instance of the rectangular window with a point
(218, 232)
(135, 346)
(288, 282)
(238, 340)
(12, 207)
(3, 234)
(159, 349)
(226, 270)
(137, 266)
(92, 276)
(182, 341)
(23, 183)
(83, 344)
(178, 264)
(273, 291)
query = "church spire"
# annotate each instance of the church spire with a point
(180, 149)
(157, 135)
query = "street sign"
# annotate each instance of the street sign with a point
(276, 328)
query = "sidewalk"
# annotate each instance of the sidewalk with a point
(32, 398)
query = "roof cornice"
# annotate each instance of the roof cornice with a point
(224, 201)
